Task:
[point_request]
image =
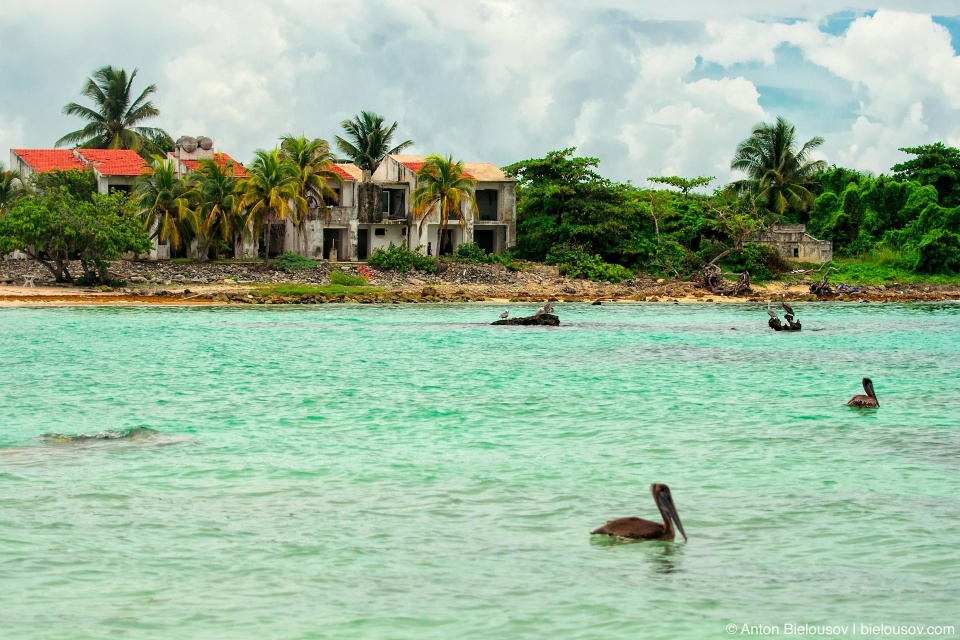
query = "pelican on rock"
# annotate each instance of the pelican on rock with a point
(640, 529)
(503, 316)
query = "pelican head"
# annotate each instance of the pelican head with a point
(868, 389)
(661, 495)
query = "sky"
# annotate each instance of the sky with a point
(649, 88)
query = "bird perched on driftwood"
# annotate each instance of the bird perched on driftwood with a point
(787, 309)
(771, 312)
(503, 316)
(548, 307)
(540, 312)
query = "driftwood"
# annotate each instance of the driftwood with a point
(542, 320)
(712, 280)
(776, 325)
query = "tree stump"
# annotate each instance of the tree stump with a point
(791, 325)
(542, 320)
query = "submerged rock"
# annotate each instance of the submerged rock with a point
(542, 320)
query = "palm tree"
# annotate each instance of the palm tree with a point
(217, 194)
(115, 119)
(166, 203)
(271, 191)
(12, 187)
(441, 184)
(369, 141)
(314, 165)
(778, 174)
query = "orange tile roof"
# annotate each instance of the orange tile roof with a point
(222, 159)
(340, 172)
(416, 166)
(41, 160)
(115, 162)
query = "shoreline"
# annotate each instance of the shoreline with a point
(152, 283)
(241, 295)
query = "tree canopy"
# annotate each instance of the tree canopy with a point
(115, 119)
(368, 140)
(779, 175)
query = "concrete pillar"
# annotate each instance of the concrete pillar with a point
(353, 240)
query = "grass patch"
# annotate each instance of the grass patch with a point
(315, 290)
(345, 279)
(880, 266)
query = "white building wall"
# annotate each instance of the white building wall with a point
(392, 233)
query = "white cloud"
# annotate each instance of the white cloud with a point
(650, 88)
(11, 136)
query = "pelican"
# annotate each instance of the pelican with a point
(783, 303)
(540, 312)
(640, 529)
(503, 316)
(548, 307)
(869, 400)
(771, 312)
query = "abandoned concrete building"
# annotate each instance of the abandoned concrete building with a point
(794, 243)
(370, 214)
(367, 213)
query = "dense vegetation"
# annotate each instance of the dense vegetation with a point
(568, 214)
(66, 219)
(908, 222)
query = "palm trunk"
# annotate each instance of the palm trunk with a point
(266, 243)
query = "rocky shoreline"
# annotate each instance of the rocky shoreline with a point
(250, 283)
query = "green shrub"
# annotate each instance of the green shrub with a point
(289, 262)
(339, 277)
(574, 262)
(469, 252)
(399, 258)
(939, 252)
(762, 261)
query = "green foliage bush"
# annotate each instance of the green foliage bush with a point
(399, 258)
(939, 252)
(54, 227)
(576, 263)
(290, 262)
(470, 253)
(762, 261)
(339, 277)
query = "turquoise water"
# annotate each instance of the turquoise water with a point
(412, 472)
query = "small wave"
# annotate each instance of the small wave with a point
(109, 434)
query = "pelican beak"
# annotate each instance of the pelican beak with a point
(671, 510)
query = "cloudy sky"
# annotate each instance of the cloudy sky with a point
(650, 87)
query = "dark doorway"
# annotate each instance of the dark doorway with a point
(446, 242)
(485, 239)
(331, 240)
(363, 243)
(275, 237)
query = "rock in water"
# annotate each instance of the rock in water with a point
(543, 320)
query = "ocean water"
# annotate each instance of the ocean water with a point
(374, 471)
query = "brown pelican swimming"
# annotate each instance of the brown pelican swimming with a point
(786, 308)
(640, 529)
(869, 400)
(503, 316)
